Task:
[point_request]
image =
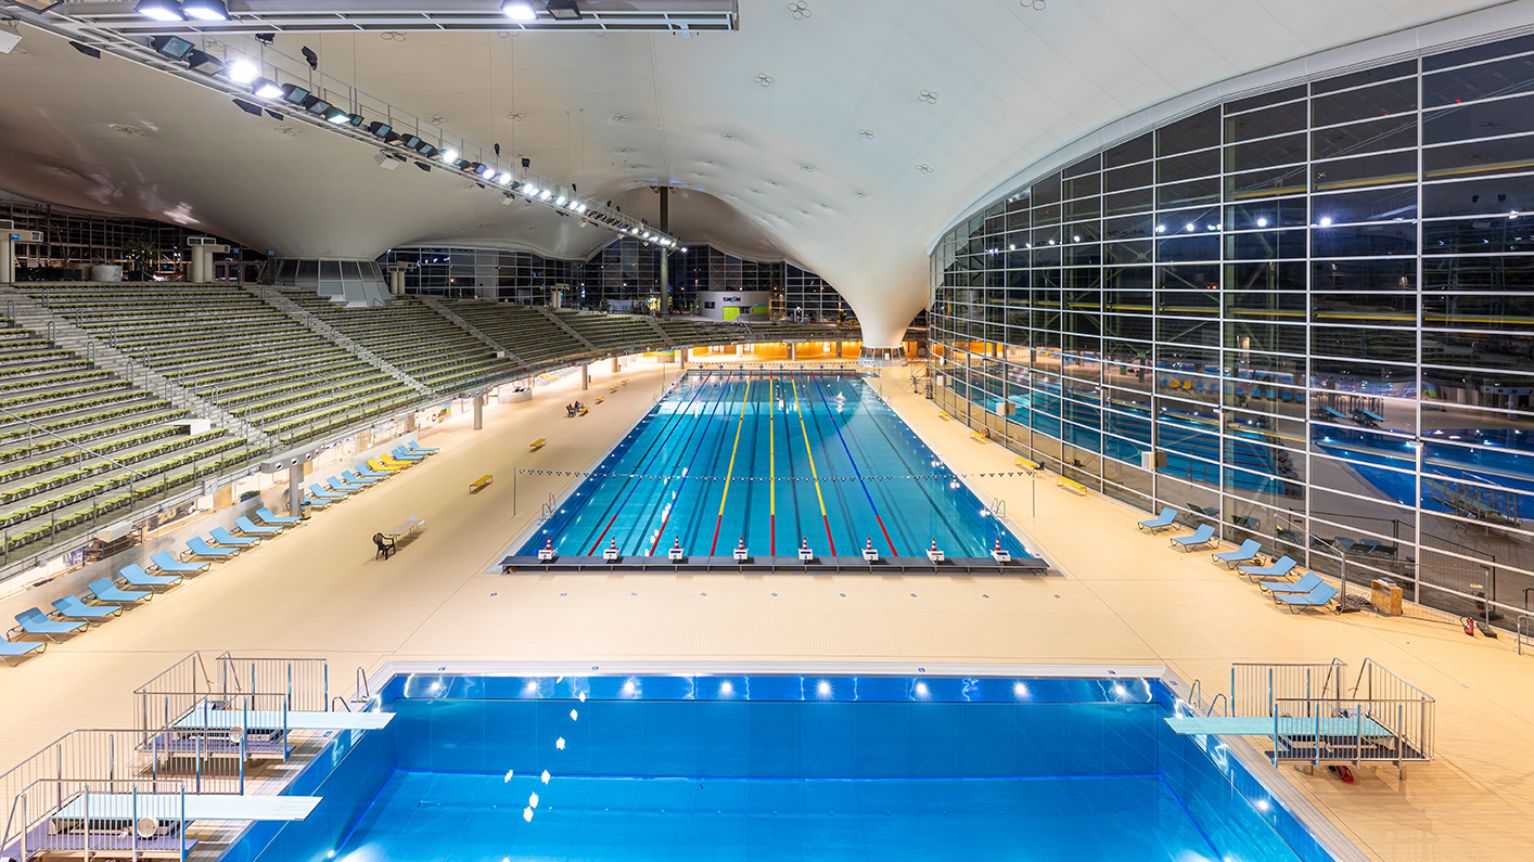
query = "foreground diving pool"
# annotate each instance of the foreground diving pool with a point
(771, 460)
(495, 768)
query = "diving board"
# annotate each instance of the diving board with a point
(199, 807)
(1218, 725)
(207, 718)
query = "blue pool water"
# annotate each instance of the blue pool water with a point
(780, 767)
(772, 459)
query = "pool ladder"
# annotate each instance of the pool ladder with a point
(547, 509)
(361, 695)
(1196, 696)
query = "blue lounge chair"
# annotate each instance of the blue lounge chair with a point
(166, 562)
(321, 493)
(104, 590)
(352, 477)
(317, 503)
(251, 528)
(367, 472)
(415, 446)
(1368, 418)
(400, 453)
(1303, 585)
(1204, 535)
(224, 537)
(134, 575)
(199, 547)
(339, 485)
(1280, 568)
(1244, 554)
(1333, 414)
(35, 622)
(267, 517)
(10, 652)
(1319, 597)
(71, 608)
(1167, 518)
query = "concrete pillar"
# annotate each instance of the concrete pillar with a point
(615, 365)
(7, 260)
(838, 350)
(683, 354)
(665, 256)
(740, 349)
(793, 350)
(296, 487)
(479, 411)
(410, 422)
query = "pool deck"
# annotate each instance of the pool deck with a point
(1124, 598)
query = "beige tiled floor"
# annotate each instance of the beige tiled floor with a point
(1123, 597)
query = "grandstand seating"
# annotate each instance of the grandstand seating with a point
(242, 354)
(414, 338)
(78, 443)
(523, 331)
(82, 443)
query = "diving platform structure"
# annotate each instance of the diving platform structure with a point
(136, 793)
(1308, 714)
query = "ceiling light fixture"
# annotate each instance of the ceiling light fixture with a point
(205, 10)
(449, 155)
(160, 10)
(519, 10)
(242, 71)
(563, 10)
(174, 47)
(266, 88)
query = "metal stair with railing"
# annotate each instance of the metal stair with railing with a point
(568, 329)
(273, 297)
(38, 318)
(665, 336)
(454, 318)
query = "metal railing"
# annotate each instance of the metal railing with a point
(1254, 687)
(1525, 631)
(117, 762)
(88, 819)
(262, 685)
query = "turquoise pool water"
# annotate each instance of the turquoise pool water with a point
(487, 769)
(772, 460)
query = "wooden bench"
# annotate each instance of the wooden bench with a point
(1071, 485)
(479, 484)
(537, 444)
(1025, 464)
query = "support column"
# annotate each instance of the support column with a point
(615, 365)
(7, 260)
(838, 350)
(665, 256)
(682, 352)
(479, 411)
(410, 421)
(296, 487)
(585, 377)
(793, 351)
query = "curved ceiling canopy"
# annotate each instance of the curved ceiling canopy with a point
(840, 135)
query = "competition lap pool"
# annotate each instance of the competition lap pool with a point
(771, 461)
(497, 768)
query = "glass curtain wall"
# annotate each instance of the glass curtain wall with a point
(626, 269)
(1306, 315)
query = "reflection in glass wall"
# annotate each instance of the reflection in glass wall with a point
(1307, 315)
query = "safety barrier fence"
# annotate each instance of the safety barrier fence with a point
(124, 819)
(255, 684)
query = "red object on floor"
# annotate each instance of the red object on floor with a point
(1469, 625)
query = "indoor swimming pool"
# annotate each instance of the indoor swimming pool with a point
(772, 460)
(491, 768)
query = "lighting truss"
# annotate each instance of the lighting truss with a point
(352, 16)
(322, 101)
